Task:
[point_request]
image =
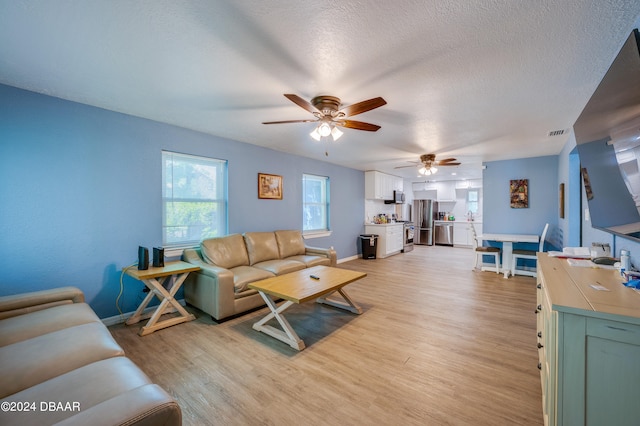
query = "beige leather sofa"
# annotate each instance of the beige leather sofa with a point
(60, 365)
(229, 264)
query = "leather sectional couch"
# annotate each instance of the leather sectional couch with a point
(229, 264)
(60, 365)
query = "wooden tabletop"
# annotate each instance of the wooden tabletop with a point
(299, 287)
(169, 268)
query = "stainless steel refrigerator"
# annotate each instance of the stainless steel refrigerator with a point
(424, 212)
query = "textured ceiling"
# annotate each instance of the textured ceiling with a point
(477, 80)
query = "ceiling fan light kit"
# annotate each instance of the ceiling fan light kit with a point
(426, 171)
(336, 133)
(328, 115)
(324, 129)
(428, 163)
(315, 134)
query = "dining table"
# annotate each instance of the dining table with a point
(507, 241)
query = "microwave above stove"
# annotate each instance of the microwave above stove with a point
(398, 198)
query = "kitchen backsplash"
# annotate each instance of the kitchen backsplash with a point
(375, 207)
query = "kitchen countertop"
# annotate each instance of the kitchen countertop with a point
(457, 221)
(435, 221)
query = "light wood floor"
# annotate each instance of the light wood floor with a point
(437, 344)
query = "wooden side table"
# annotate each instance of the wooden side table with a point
(163, 282)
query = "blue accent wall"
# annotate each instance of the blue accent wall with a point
(499, 217)
(81, 190)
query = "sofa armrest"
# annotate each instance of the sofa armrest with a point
(211, 289)
(147, 405)
(19, 304)
(216, 272)
(213, 271)
(318, 251)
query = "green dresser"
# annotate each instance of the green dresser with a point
(589, 345)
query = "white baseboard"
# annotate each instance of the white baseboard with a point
(118, 319)
(346, 259)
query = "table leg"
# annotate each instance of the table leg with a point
(139, 314)
(507, 254)
(350, 306)
(167, 303)
(287, 334)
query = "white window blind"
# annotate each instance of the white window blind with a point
(194, 199)
(315, 203)
(472, 201)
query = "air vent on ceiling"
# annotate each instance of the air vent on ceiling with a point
(557, 132)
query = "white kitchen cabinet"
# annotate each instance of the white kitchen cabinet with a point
(380, 186)
(395, 241)
(429, 194)
(446, 191)
(422, 186)
(390, 238)
(468, 184)
(424, 190)
(460, 234)
(440, 191)
(373, 186)
(463, 235)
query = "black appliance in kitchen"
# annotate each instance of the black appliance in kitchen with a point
(424, 213)
(398, 198)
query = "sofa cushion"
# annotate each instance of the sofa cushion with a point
(226, 252)
(310, 260)
(261, 246)
(33, 324)
(245, 275)
(290, 243)
(280, 266)
(32, 361)
(113, 389)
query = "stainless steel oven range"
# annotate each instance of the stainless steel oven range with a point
(409, 232)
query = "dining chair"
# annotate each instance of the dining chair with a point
(481, 251)
(528, 254)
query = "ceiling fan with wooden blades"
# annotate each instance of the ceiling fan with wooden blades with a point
(428, 164)
(329, 114)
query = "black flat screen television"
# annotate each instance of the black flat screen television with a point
(608, 141)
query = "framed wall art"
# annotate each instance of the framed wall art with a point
(587, 183)
(269, 186)
(519, 193)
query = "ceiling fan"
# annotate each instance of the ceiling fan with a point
(329, 115)
(428, 163)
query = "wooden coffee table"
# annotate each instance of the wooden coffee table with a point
(299, 287)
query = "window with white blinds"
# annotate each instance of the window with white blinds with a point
(315, 203)
(194, 199)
